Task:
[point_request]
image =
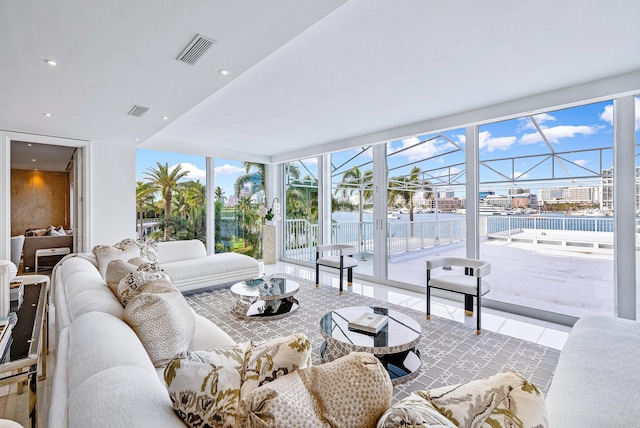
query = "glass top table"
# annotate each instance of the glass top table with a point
(394, 345)
(265, 297)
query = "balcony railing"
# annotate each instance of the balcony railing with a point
(301, 236)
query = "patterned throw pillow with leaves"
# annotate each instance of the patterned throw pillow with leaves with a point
(413, 411)
(204, 386)
(270, 359)
(503, 400)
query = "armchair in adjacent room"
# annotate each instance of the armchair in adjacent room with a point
(465, 277)
(17, 242)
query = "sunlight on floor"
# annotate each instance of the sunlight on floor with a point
(533, 330)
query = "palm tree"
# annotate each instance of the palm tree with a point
(166, 180)
(250, 177)
(145, 196)
(406, 186)
(219, 194)
(196, 201)
(353, 180)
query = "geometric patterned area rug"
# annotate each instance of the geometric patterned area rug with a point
(450, 351)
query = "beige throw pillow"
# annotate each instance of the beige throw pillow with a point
(116, 270)
(123, 250)
(162, 319)
(351, 391)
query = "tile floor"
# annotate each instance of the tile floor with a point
(14, 406)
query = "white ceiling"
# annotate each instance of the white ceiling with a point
(306, 77)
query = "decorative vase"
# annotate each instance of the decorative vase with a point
(270, 222)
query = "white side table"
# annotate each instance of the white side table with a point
(46, 252)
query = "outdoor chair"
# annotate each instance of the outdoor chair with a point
(460, 275)
(343, 260)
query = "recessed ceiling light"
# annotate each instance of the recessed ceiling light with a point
(137, 139)
(52, 62)
(29, 144)
(33, 160)
(48, 114)
(165, 117)
(223, 72)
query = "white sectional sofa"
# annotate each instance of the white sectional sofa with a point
(105, 377)
(103, 374)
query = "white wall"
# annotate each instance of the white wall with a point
(112, 193)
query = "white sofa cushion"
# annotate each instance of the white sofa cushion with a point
(207, 335)
(124, 396)
(173, 251)
(98, 341)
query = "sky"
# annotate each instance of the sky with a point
(225, 171)
(583, 136)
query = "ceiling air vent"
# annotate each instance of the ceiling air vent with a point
(199, 46)
(138, 111)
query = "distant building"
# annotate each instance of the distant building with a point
(606, 186)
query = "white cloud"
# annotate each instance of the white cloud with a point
(541, 119)
(447, 172)
(607, 114)
(555, 133)
(422, 151)
(310, 161)
(492, 144)
(227, 169)
(194, 174)
(519, 176)
(581, 162)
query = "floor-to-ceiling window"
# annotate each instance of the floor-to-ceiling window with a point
(170, 196)
(425, 201)
(546, 209)
(238, 193)
(301, 233)
(546, 204)
(352, 203)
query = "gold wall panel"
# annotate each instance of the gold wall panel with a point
(39, 199)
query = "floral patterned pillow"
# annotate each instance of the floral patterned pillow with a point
(413, 411)
(503, 400)
(204, 386)
(266, 361)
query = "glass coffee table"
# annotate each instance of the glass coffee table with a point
(394, 345)
(266, 297)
